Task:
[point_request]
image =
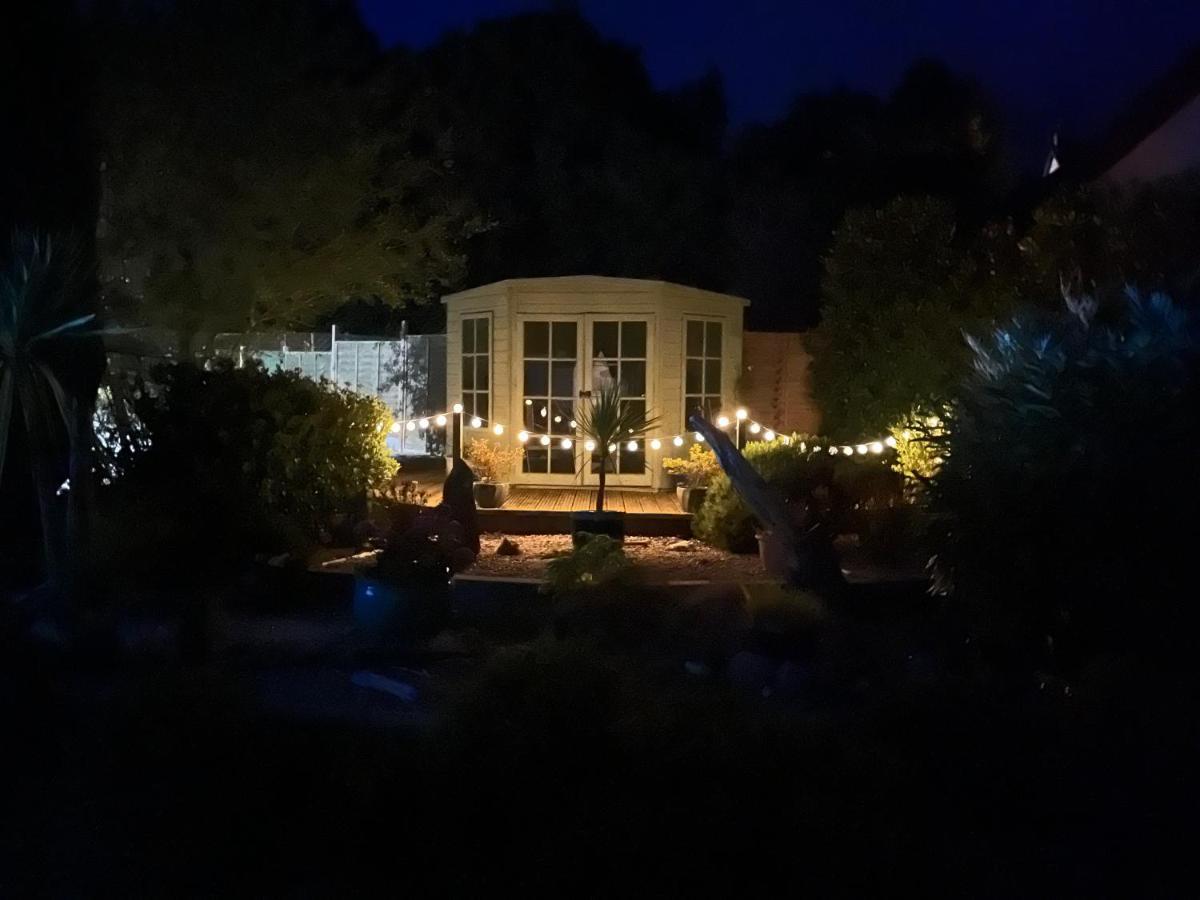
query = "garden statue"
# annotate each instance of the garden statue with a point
(459, 497)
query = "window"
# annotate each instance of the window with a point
(619, 353)
(702, 378)
(476, 367)
(549, 395)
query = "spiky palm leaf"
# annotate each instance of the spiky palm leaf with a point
(608, 419)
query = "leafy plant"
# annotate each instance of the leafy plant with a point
(1066, 495)
(699, 467)
(493, 461)
(918, 445)
(609, 420)
(597, 561)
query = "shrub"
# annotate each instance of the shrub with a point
(1067, 493)
(597, 561)
(491, 461)
(698, 468)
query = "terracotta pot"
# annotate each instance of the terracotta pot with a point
(778, 559)
(490, 494)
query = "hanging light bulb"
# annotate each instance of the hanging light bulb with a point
(862, 449)
(410, 425)
(699, 437)
(677, 441)
(722, 421)
(565, 443)
(802, 447)
(572, 424)
(631, 446)
(542, 412)
(528, 402)
(833, 451)
(612, 448)
(544, 440)
(877, 447)
(558, 418)
(768, 435)
(847, 451)
(395, 428)
(497, 430)
(890, 441)
(457, 407)
(655, 444)
(755, 428)
(741, 415)
(589, 446)
(522, 436)
(423, 424)
(816, 449)
(477, 422)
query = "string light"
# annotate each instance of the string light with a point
(612, 448)
(395, 428)
(423, 424)
(677, 441)
(699, 437)
(862, 449)
(457, 407)
(722, 421)
(477, 422)
(847, 451)
(522, 436)
(655, 444)
(631, 446)
(441, 421)
(544, 440)
(572, 424)
(833, 451)
(741, 414)
(768, 435)
(498, 430)
(565, 443)
(589, 446)
(876, 447)
(558, 418)
(411, 425)
(755, 428)
(890, 441)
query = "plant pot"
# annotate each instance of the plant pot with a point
(777, 558)
(690, 498)
(607, 523)
(490, 494)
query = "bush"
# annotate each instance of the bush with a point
(597, 561)
(1067, 494)
(836, 487)
(249, 459)
(697, 469)
(493, 461)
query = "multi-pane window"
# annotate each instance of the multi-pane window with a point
(702, 376)
(476, 367)
(550, 356)
(619, 354)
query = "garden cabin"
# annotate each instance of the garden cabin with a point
(521, 354)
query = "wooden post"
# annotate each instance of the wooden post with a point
(456, 437)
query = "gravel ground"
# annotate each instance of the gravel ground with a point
(691, 561)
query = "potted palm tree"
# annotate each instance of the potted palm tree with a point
(609, 421)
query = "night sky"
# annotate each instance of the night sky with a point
(1048, 62)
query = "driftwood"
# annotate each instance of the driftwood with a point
(797, 529)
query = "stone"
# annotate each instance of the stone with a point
(508, 548)
(682, 546)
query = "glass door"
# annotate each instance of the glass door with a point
(618, 350)
(550, 385)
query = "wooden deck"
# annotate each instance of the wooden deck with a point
(535, 510)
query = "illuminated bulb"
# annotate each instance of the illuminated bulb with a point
(699, 437)
(477, 422)
(847, 451)
(877, 447)
(542, 412)
(755, 428)
(441, 421)
(817, 449)
(612, 448)
(769, 435)
(395, 428)
(497, 430)
(411, 425)
(722, 421)
(890, 441)
(741, 415)
(457, 407)
(558, 418)
(589, 446)
(933, 421)
(565, 443)
(833, 451)
(677, 441)
(572, 424)
(631, 446)
(529, 403)
(423, 424)
(522, 436)
(544, 441)
(656, 444)
(802, 447)
(861, 448)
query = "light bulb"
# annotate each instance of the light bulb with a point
(497, 430)
(890, 441)
(677, 441)
(477, 422)
(457, 407)
(755, 428)
(768, 435)
(558, 418)
(833, 451)
(542, 412)
(722, 421)
(522, 436)
(395, 428)
(441, 421)
(410, 425)
(631, 446)
(423, 424)
(544, 440)
(655, 444)
(612, 448)
(699, 437)
(572, 424)
(847, 451)
(529, 403)
(877, 447)
(589, 446)
(861, 448)
(741, 415)
(565, 443)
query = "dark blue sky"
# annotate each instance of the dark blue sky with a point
(1046, 61)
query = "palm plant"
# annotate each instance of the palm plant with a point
(608, 420)
(51, 362)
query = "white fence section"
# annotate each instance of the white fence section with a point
(407, 373)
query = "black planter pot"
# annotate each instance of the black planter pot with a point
(611, 524)
(490, 494)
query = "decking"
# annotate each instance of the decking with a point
(537, 510)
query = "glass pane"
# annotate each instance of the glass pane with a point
(564, 340)
(692, 406)
(536, 459)
(468, 336)
(712, 376)
(562, 379)
(537, 339)
(562, 411)
(632, 463)
(604, 339)
(481, 406)
(695, 377)
(695, 338)
(633, 379)
(468, 373)
(481, 336)
(602, 373)
(532, 422)
(633, 340)
(595, 464)
(712, 408)
(562, 462)
(712, 347)
(537, 379)
(482, 370)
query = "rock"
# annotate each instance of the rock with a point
(751, 671)
(637, 542)
(508, 548)
(682, 546)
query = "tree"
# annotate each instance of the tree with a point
(609, 420)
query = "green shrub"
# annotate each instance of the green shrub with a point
(597, 561)
(1067, 493)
